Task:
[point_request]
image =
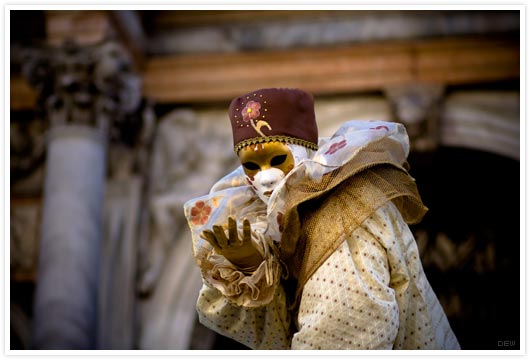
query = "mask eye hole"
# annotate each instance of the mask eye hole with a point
(278, 160)
(249, 165)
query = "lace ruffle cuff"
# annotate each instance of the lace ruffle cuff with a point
(249, 290)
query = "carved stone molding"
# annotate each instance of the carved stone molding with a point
(92, 85)
(87, 85)
(418, 106)
(24, 223)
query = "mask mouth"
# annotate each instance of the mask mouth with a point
(268, 193)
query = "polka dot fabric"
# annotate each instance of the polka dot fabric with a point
(347, 304)
(260, 328)
(371, 293)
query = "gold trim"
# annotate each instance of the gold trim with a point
(281, 138)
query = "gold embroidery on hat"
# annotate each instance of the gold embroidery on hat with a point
(281, 138)
(250, 114)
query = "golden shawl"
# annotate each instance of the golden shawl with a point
(320, 215)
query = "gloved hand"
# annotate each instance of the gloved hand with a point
(241, 252)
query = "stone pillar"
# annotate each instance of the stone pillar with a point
(91, 98)
(67, 280)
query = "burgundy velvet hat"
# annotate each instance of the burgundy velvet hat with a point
(265, 115)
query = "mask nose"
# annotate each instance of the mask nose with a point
(265, 182)
(269, 178)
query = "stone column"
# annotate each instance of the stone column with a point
(91, 98)
(67, 281)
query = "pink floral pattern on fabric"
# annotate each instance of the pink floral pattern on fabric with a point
(250, 181)
(200, 213)
(279, 219)
(335, 147)
(251, 111)
(380, 127)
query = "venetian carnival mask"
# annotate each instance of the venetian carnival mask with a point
(266, 165)
(273, 130)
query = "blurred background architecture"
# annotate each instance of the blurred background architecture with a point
(119, 117)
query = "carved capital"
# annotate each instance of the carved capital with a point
(417, 107)
(87, 85)
(92, 85)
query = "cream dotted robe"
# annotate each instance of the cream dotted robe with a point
(371, 293)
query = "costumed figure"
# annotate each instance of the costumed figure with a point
(306, 244)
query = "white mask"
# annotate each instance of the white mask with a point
(266, 181)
